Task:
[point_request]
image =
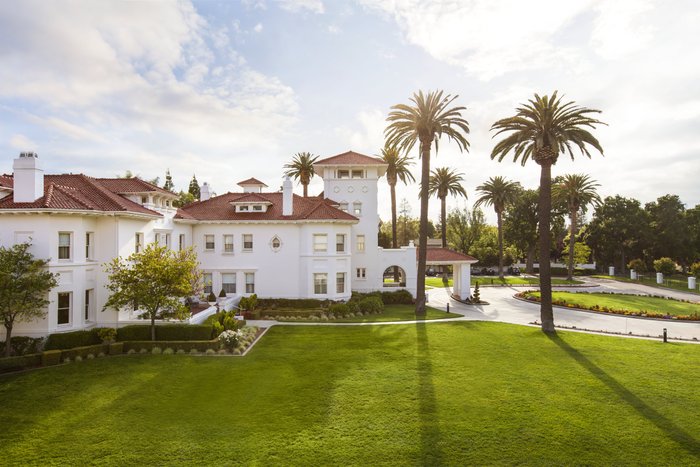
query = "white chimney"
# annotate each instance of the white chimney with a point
(28, 184)
(204, 193)
(287, 197)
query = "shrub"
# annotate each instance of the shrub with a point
(371, 305)
(23, 345)
(353, 307)
(84, 351)
(168, 351)
(107, 335)
(131, 352)
(302, 303)
(91, 356)
(476, 296)
(222, 294)
(68, 340)
(637, 264)
(211, 297)
(695, 269)
(210, 352)
(338, 308)
(156, 351)
(229, 339)
(194, 352)
(100, 355)
(116, 348)
(180, 351)
(397, 297)
(665, 266)
(78, 359)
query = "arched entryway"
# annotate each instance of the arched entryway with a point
(394, 276)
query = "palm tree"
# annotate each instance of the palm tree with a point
(443, 182)
(577, 191)
(398, 170)
(540, 130)
(302, 168)
(499, 193)
(429, 118)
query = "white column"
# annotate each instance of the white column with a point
(633, 274)
(465, 277)
(456, 281)
(611, 271)
(691, 282)
(659, 278)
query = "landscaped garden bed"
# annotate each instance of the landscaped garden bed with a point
(495, 280)
(644, 306)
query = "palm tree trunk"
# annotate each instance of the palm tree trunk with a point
(423, 229)
(443, 220)
(572, 243)
(394, 240)
(306, 190)
(8, 340)
(545, 206)
(499, 221)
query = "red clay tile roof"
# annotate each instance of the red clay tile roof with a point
(219, 208)
(251, 198)
(131, 185)
(251, 181)
(6, 181)
(350, 158)
(78, 193)
(440, 255)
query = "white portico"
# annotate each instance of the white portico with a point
(461, 269)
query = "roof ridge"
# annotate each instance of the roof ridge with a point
(49, 195)
(65, 191)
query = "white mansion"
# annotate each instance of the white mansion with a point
(274, 244)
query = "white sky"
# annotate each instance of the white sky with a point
(232, 90)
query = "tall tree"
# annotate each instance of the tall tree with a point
(398, 170)
(671, 234)
(520, 226)
(302, 168)
(194, 188)
(499, 193)
(443, 182)
(541, 129)
(155, 279)
(464, 228)
(24, 285)
(618, 232)
(430, 117)
(577, 191)
(169, 185)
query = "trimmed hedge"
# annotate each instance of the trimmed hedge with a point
(294, 303)
(83, 351)
(371, 305)
(396, 297)
(201, 346)
(116, 348)
(23, 345)
(19, 363)
(69, 340)
(50, 357)
(167, 332)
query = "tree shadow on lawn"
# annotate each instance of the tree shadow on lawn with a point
(684, 439)
(430, 451)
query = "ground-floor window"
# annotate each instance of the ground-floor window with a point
(340, 282)
(228, 282)
(89, 304)
(64, 305)
(320, 283)
(361, 273)
(207, 278)
(249, 282)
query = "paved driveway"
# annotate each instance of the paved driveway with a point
(503, 307)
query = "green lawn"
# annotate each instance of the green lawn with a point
(628, 302)
(650, 280)
(495, 280)
(426, 394)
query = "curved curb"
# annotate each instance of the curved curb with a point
(607, 313)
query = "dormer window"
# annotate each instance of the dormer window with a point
(343, 173)
(358, 174)
(243, 208)
(144, 199)
(257, 207)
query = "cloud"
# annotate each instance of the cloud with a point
(258, 27)
(21, 142)
(295, 6)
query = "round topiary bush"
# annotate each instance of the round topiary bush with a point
(665, 266)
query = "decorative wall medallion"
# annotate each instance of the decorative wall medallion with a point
(364, 189)
(275, 243)
(351, 189)
(336, 189)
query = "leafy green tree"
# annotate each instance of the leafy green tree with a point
(671, 236)
(429, 118)
(464, 228)
(577, 191)
(638, 265)
(156, 280)
(665, 265)
(582, 253)
(692, 220)
(302, 168)
(24, 285)
(168, 185)
(520, 226)
(443, 182)
(184, 197)
(541, 129)
(499, 193)
(194, 188)
(618, 230)
(399, 169)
